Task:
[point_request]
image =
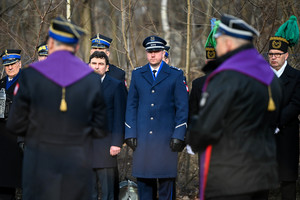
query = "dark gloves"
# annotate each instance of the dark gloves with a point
(131, 142)
(177, 145)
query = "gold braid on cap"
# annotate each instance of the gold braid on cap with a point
(280, 39)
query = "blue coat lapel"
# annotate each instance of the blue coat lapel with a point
(147, 74)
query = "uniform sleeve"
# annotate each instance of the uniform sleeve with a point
(120, 98)
(214, 105)
(131, 109)
(18, 119)
(182, 107)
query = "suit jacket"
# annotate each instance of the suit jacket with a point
(115, 97)
(10, 153)
(57, 158)
(157, 110)
(288, 137)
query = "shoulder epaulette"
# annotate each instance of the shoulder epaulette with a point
(118, 67)
(175, 68)
(138, 68)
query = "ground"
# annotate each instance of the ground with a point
(187, 179)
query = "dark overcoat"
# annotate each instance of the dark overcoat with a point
(116, 73)
(157, 110)
(115, 96)
(57, 158)
(236, 126)
(10, 153)
(288, 137)
(195, 95)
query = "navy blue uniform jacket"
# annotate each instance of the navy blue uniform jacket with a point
(157, 110)
(114, 94)
(10, 154)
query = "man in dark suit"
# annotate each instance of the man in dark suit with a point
(287, 136)
(102, 43)
(156, 122)
(58, 108)
(10, 152)
(105, 150)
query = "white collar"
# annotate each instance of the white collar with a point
(280, 71)
(102, 78)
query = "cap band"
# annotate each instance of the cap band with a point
(62, 36)
(100, 42)
(11, 56)
(225, 30)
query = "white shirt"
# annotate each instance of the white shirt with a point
(280, 71)
(102, 78)
(154, 69)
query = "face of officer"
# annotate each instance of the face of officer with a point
(277, 58)
(155, 58)
(13, 69)
(99, 65)
(106, 51)
(41, 58)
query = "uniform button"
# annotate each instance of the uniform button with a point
(153, 91)
(151, 118)
(150, 132)
(152, 104)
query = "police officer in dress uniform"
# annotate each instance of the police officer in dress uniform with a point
(58, 108)
(102, 43)
(156, 122)
(42, 50)
(10, 152)
(106, 149)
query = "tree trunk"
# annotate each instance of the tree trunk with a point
(87, 26)
(164, 20)
(188, 41)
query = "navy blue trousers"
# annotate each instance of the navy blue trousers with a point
(148, 187)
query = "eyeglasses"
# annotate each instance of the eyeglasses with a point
(277, 55)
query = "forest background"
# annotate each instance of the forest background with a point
(184, 24)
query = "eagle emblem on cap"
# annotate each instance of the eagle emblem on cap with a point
(276, 44)
(152, 38)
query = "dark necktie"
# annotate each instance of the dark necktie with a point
(154, 72)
